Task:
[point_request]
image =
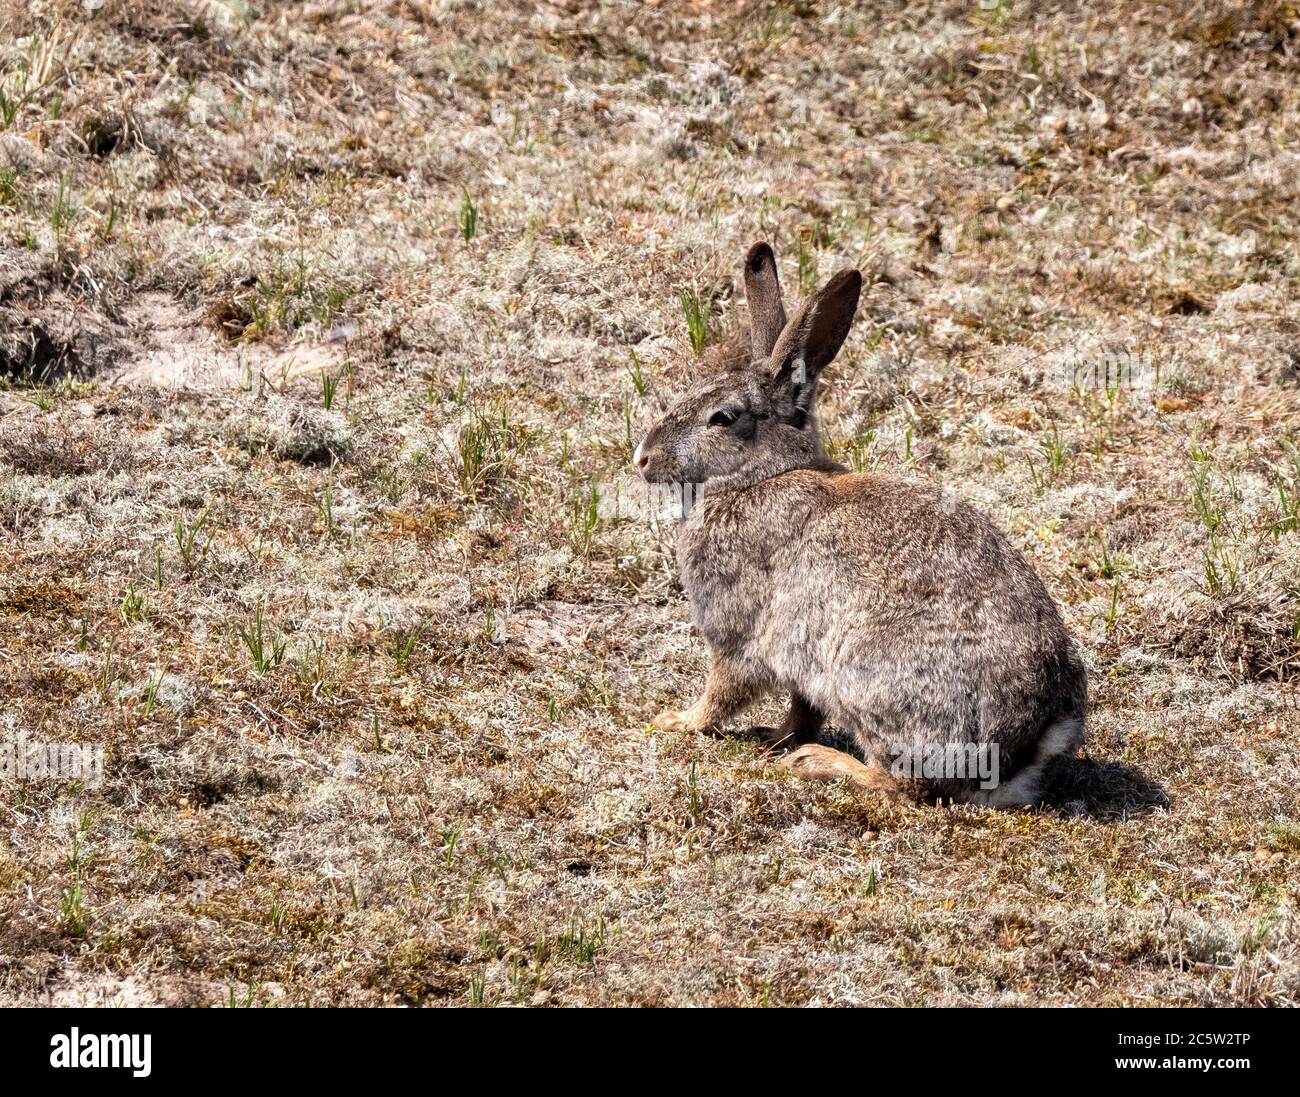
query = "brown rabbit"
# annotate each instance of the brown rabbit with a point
(889, 607)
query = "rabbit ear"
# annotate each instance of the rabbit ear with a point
(812, 339)
(763, 293)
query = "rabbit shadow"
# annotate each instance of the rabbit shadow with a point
(1105, 791)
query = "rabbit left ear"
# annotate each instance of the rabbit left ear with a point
(814, 337)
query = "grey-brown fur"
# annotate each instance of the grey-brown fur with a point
(889, 607)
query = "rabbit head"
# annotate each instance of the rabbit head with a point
(756, 419)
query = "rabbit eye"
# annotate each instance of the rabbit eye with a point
(722, 419)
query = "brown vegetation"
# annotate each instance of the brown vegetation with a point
(373, 678)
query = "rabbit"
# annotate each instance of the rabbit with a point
(887, 606)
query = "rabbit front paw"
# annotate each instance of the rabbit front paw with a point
(676, 720)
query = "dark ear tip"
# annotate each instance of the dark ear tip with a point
(847, 283)
(759, 256)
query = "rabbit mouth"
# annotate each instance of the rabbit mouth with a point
(653, 479)
(662, 474)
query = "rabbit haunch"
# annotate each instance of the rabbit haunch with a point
(889, 607)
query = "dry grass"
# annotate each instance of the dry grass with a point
(440, 787)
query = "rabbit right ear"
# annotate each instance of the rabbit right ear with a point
(817, 332)
(763, 294)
